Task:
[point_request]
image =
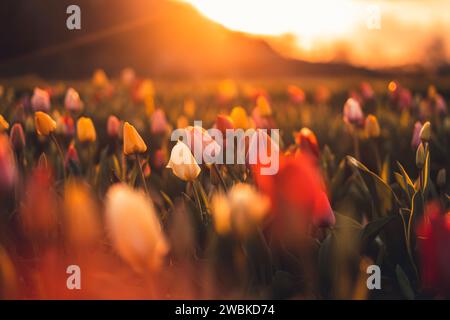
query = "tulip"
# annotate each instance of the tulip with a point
(158, 122)
(425, 132)
(200, 141)
(8, 171)
(296, 94)
(183, 163)
(113, 127)
(372, 127)
(67, 125)
(352, 112)
(44, 124)
(297, 191)
(239, 117)
(86, 130)
(132, 141)
(145, 89)
(189, 107)
(182, 122)
(227, 90)
(307, 141)
(4, 125)
(366, 90)
(134, 228)
(71, 156)
(420, 156)
(263, 106)
(99, 78)
(72, 101)
(40, 101)
(128, 76)
(240, 210)
(17, 137)
(223, 123)
(416, 135)
(322, 94)
(433, 239)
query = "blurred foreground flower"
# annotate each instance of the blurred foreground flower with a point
(297, 191)
(134, 228)
(86, 130)
(44, 123)
(434, 240)
(240, 210)
(40, 101)
(183, 163)
(132, 141)
(82, 226)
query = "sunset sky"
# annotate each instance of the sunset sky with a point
(414, 31)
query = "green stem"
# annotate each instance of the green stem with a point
(61, 153)
(222, 182)
(142, 173)
(197, 198)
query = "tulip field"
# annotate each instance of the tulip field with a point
(98, 201)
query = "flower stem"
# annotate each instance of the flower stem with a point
(61, 153)
(142, 173)
(222, 182)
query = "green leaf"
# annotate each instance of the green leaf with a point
(426, 174)
(343, 221)
(384, 200)
(385, 170)
(404, 283)
(167, 199)
(372, 229)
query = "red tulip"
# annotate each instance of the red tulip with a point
(297, 190)
(224, 122)
(17, 137)
(113, 127)
(434, 233)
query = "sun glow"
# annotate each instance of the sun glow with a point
(307, 20)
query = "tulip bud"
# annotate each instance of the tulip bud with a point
(183, 163)
(17, 137)
(425, 132)
(307, 141)
(128, 76)
(224, 122)
(99, 78)
(73, 101)
(416, 135)
(239, 117)
(372, 127)
(40, 101)
(441, 178)
(44, 123)
(132, 141)
(71, 155)
(4, 125)
(8, 173)
(263, 105)
(158, 122)
(189, 107)
(113, 127)
(352, 112)
(420, 156)
(86, 130)
(182, 122)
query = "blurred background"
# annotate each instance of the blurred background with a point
(204, 38)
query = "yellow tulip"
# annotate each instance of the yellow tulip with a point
(425, 132)
(44, 123)
(4, 125)
(372, 127)
(239, 117)
(132, 141)
(86, 130)
(183, 163)
(99, 78)
(264, 106)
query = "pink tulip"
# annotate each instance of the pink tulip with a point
(40, 101)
